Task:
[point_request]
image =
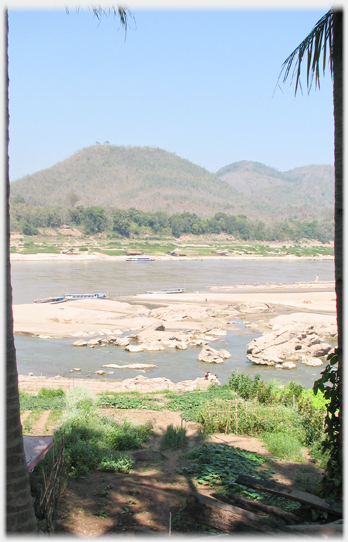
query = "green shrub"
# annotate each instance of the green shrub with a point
(49, 392)
(122, 463)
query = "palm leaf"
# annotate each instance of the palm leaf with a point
(318, 42)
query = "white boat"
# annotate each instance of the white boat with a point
(69, 297)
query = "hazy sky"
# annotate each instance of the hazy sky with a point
(197, 82)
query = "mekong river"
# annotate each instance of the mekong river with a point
(32, 279)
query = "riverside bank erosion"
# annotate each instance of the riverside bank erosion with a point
(299, 324)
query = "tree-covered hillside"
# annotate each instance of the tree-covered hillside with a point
(146, 178)
(153, 180)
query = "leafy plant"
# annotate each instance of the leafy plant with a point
(328, 384)
(221, 464)
(128, 401)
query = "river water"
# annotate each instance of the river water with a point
(31, 280)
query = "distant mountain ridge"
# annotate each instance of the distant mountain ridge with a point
(309, 185)
(152, 179)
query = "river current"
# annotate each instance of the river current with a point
(32, 279)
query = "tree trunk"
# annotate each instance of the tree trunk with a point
(338, 118)
(20, 517)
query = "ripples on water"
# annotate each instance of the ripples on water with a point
(51, 357)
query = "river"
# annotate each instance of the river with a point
(31, 280)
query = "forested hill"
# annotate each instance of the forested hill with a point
(146, 178)
(151, 179)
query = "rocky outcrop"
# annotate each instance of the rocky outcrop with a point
(284, 346)
(211, 355)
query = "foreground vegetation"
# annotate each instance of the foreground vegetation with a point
(286, 418)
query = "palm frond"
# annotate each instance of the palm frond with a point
(318, 42)
(123, 13)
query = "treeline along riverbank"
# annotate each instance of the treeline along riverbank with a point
(134, 223)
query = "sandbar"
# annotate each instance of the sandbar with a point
(102, 317)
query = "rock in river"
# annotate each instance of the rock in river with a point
(211, 355)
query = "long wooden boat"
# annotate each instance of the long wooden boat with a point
(58, 299)
(69, 297)
(167, 291)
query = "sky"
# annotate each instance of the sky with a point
(199, 82)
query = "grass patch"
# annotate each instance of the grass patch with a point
(95, 442)
(46, 399)
(284, 446)
(174, 438)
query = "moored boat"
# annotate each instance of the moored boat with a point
(59, 299)
(69, 297)
(167, 291)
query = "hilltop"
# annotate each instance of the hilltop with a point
(146, 178)
(152, 179)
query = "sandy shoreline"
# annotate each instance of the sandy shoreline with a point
(98, 256)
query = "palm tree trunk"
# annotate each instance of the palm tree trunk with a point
(20, 517)
(338, 117)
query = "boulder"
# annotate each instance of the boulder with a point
(94, 342)
(286, 365)
(124, 341)
(80, 343)
(100, 372)
(152, 346)
(134, 348)
(180, 345)
(320, 350)
(225, 354)
(312, 362)
(210, 355)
